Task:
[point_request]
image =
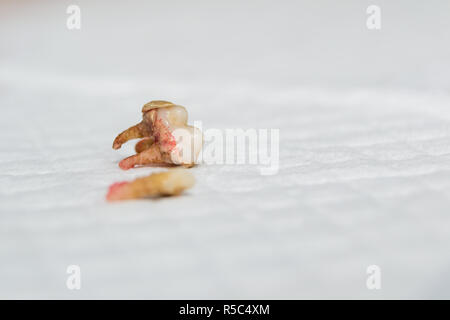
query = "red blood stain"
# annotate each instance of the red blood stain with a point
(114, 189)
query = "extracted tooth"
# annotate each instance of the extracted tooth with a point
(168, 137)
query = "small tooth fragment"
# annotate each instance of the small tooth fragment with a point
(168, 183)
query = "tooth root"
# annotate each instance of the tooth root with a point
(137, 131)
(144, 144)
(150, 156)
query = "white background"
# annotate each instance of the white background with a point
(364, 119)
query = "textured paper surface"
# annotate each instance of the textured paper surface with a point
(364, 175)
